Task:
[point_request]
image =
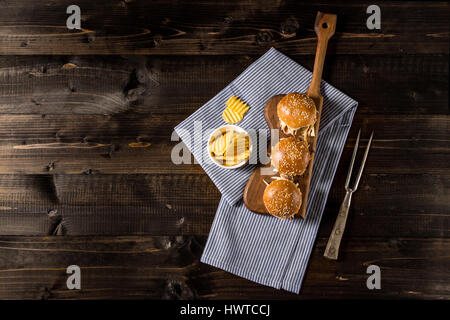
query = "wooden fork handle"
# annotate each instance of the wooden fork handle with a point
(324, 26)
(334, 242)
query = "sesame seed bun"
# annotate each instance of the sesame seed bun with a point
(282, 198)
(296, 110)
(290, 157)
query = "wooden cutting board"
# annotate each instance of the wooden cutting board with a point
(325, 26)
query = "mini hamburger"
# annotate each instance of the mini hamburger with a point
(282, 198)
(290, 157)
(297, 111)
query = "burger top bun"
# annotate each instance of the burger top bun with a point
(282, 198)
(290, 157)
(296, 110)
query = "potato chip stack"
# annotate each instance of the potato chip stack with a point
(235, 110)
(230, 147)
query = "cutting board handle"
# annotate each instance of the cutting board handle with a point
(324, 26)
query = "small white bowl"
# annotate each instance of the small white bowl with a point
(234, 128)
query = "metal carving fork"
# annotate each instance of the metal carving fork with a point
(332, 249)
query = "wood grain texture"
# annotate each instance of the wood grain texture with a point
(107, 204)
(169, 268)
(96, 144)
(410, 205)
(85, 141)
(393, 84)
(231, 27)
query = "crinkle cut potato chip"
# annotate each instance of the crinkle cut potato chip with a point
(235, 104)
(230, 147)
(221, 143)
(235, 110)
(231, 117)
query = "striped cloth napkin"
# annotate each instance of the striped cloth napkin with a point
(257, 247)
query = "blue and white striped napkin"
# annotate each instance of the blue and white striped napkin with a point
(257, 247)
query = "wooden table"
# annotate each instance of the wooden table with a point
(86, 119)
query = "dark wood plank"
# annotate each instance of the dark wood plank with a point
(169, 268)
(231, 27)
(410, 205)
(67, 85)
(111, 204)
(405, 84)
(140, 143)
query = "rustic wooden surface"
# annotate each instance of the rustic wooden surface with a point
(85, 139)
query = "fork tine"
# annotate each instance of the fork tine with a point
(363, 163)
(350, 169)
